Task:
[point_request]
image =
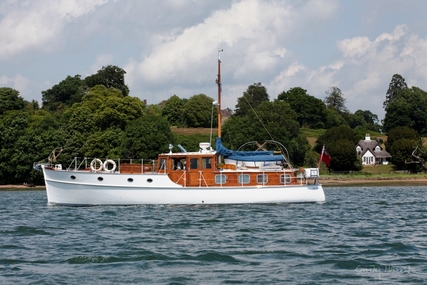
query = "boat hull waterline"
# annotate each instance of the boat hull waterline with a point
(114, 191)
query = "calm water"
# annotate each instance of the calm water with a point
(373, 235)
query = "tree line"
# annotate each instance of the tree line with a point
(96, 117)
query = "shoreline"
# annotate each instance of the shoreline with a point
(343, 182)
(328, 182)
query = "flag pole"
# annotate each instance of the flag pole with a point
(321, 156)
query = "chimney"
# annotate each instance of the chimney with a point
(367, 137)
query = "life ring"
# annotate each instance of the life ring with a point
(94, 162)
(107, 162)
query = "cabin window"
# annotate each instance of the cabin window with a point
(206, 162)
(220, 179)
(244, 179)
(262, 179)
(285, 179)
(194, 163)
(163, 164)
(179, 164)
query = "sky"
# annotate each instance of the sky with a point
(170, 47)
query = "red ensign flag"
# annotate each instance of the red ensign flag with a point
(325, 157)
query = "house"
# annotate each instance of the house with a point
(371, 152)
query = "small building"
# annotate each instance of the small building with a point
(371, 152)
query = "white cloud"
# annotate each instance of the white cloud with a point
(169, 46)
(253, 34)
(28, 25)
(18, 82)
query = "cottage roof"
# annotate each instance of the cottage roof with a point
(371, 145)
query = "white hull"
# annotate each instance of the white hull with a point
(115, 189)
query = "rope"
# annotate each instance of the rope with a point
(265, 128)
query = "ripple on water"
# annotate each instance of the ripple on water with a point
(359, 235)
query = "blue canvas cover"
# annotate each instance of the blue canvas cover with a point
(246, 155)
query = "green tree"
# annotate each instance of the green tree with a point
(109, 76)
(397, 84)
(269, 121)
(355, 120)
(401, 142)
(198, 112)
(111, 108)
(334, 119)
(335, 100)
(252, 97)
(401, 151)
(310, 110)
(408, 109)
(12, 126)
(64, 94)
(10, 100)
(146, 137)
(371, 121)
(95, 125)
(104, 144)
(340, 144)
(173, 111)
(43, 134)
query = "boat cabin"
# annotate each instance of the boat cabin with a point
(202, 169)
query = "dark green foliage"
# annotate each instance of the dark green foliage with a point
(173, 111)
(401, 142)
(10, 100)
(396, 85)
(198, 112)
(311, 112)
(335, 100)
(252, 97)
(409, 109)
(110, 108)
(104, 144)
(71, 90)
(340, 144)
(402, 133)
(26, 138)
(109, 76)
(334, 119)
(401, 151)
(334, 134)
(63, 94)
(146, 137)
(343, 155)
(311, 159)
(12, 127)
(367, 120)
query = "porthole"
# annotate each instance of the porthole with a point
(149, 180)
(100, 178)
(72, 177)
(130, 180)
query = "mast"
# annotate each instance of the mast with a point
(218, 82)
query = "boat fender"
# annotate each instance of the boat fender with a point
(107, 162)
(93, 164)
